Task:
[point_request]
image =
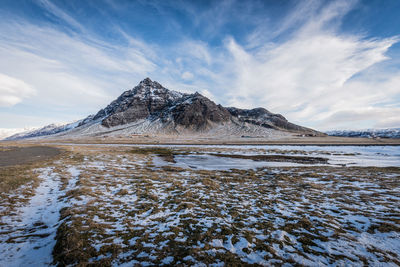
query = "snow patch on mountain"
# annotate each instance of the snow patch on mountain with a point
(4, 132)
(50, 129)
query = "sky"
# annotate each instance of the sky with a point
(322, 64)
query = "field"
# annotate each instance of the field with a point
(98, 205)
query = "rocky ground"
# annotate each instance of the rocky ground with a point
(114, 205)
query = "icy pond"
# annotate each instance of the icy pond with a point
(345, 155)
(360, 156)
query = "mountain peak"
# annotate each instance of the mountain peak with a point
(149, 102)
(147, 82)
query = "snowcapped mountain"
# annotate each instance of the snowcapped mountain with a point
(4, 133)
(151, 101)
(176, 112)
(151, 108)
(44, 131)
(369, 133)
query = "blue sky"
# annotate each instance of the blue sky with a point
(321, 64)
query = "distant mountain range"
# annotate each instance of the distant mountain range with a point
(50, 129)
(6, 132)
(151, 108)
(369, 133)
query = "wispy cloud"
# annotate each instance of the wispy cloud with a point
(58, 13)
(13, 91)
(68, 69)
(301, 65)
(311, 75)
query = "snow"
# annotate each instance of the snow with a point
(376, 156)
(6, 132)
(168, 260)
(50, 129)
(37, 222)
(362, 156)
(145, 211)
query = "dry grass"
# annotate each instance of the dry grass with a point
(13, 177)
(124, 210)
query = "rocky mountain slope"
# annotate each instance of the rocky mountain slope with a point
(6, 132)
(151, 108)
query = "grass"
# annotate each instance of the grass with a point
(14, 176)
(126, 210)
(165, 153)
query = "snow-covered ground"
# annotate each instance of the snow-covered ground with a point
(31, 229)
(113, 205)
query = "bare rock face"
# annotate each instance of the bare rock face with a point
(262, 117)
(147, 99)
(197, 111)
(151, 101)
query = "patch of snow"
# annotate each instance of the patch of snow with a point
(167, 260)
(33, 233)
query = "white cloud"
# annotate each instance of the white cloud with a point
(187, 75)
(13, 91)
(196, 51)
(304, 69)
(367, 117)
(207, 94)
(311, 75)
(70, 70)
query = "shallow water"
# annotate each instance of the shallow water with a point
(360, 156)
(210, 162)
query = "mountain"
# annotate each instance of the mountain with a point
(150, 100)
(151, 108)
(264, 118)
(44, 131)
(4, 133)
(369, 133)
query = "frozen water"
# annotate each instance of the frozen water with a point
(209, 162)
(361, 156)
(369, 156)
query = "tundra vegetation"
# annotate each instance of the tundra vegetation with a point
(115, 206)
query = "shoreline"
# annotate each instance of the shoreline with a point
(226, 144)
(204, 140)
(199, 144)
